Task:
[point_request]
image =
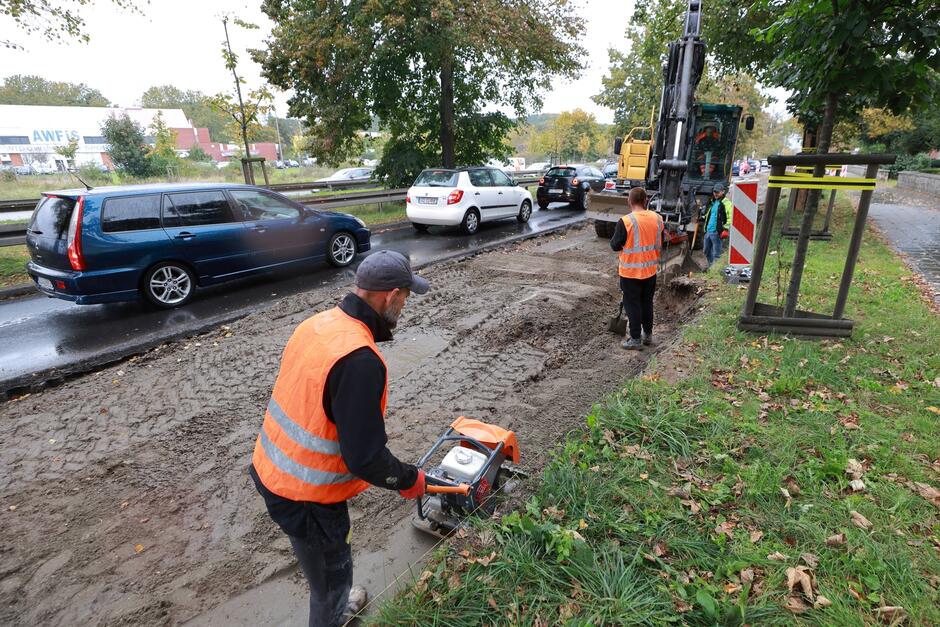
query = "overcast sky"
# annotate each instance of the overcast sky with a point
(177, 42)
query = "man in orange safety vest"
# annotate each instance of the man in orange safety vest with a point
(638, 237)
(323, 439)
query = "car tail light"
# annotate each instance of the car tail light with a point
(542, 181)
(75, 236)
(407, 198)
(609, 185)
(454, 197)
(575, 181)
(60, 285)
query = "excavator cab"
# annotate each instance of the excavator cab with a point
(711, 148)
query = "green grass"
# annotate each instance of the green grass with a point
(13, 265)
(372, 214)
(668, 504)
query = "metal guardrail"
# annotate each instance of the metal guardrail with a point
(15, 234)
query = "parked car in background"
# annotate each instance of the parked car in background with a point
(610, 171)
(754, 165)
(736, 168)
(279, 165)
(465, 197)
(160, 242)
(764, 165)
(539, 166)
(569, 183)
(22, 170)
(291, 163)
(348, 174)
(309, 161)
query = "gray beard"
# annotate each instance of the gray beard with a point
(390, 319)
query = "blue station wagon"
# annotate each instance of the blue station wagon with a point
(162, 241)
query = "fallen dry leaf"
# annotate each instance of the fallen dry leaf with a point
(777, 556)
(756, 536)
(857, 485)
(138, 548)
(747, 575)
(928, 492)
(454, 581)
(894, 614)
(731, 588)
(492, 603)
(726, 528)
(801, 577)
(836, 540)
(683, 492)
(795, 604)
(854, 469)
(860, 521)
(811, 560)
(821, 601)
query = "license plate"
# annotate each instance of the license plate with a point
(44, 283)
(426, 201)
(554, 191)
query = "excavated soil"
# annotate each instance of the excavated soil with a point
(125, 498)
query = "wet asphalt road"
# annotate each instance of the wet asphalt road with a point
(44, 339)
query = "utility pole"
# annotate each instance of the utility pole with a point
(277, 130)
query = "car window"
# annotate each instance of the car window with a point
(561, 172)
(436, 178)
(133, 213)
(196, 208)
(480, 178)
(500, 179)
(51, 216)
(258, 205)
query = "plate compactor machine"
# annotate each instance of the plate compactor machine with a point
(469, 478)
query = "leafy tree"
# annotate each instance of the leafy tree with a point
(127, 146)
(68, 151)
(838, 57)
(198, 154)
(573, 136)
(433, 72)
(163, 153)
(55, 20)
(196, 105)
(23, 89)
(245, 112)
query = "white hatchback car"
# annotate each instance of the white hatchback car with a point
(465, 197)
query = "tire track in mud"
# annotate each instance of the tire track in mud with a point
(132, 502)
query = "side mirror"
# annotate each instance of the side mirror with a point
(749, 122)
(618, 144)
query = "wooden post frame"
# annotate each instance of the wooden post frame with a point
(762, 318)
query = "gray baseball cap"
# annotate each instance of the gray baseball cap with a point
(386, 270)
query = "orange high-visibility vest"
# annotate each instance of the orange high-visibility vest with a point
(640, 254)
(297, 454)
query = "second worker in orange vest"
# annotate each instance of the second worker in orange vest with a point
(638, 237)
(323, 439)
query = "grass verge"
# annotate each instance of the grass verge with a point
(13, 265)
(743, 479)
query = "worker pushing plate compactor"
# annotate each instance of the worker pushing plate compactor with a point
(469, 478)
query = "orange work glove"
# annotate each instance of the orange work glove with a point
(724, 234)
(418, 489)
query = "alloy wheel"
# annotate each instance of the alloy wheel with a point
(170, 285)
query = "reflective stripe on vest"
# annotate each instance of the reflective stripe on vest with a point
(639, 257)
(297, 454)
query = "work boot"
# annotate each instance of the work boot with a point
(646, 338)
(358, 597)
(632, 344)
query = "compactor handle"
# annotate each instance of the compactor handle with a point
(463, 489)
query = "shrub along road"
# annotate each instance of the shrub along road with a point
(740, 479)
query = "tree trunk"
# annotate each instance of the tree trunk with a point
(809, 213)
(447, 109)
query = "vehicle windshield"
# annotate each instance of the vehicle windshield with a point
(561, 172)
(436, 178)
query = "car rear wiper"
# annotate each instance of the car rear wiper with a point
(30, 231)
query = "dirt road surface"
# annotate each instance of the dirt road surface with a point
(125, 498)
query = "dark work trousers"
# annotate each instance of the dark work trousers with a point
(638, 303)
(325, 557)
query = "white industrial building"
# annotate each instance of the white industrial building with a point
(30, 134)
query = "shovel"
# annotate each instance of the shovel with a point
(618, 323)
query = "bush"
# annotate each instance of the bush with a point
(7, 176)
(910, 163)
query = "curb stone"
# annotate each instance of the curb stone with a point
(15, 291)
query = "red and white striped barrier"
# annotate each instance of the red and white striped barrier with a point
(743, 223)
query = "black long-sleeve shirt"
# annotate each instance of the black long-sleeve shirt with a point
(352, 401)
